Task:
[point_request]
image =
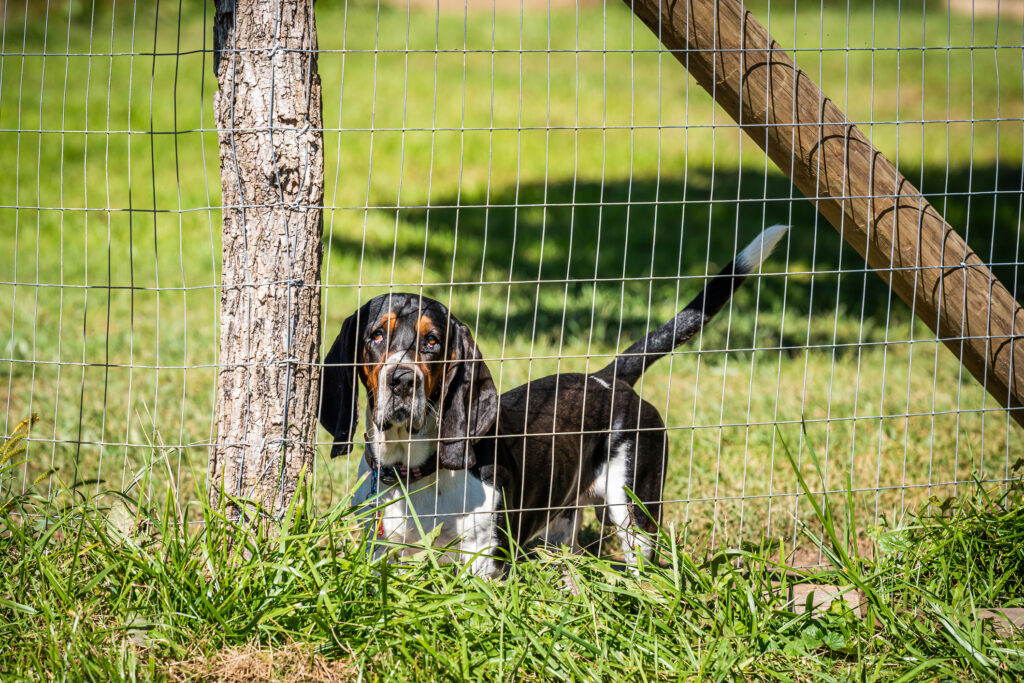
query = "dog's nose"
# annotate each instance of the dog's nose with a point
(401, 380)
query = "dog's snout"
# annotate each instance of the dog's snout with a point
(401, 380)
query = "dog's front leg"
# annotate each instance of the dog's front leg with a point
(487, 567)
(480, 547)
(379, 519)
(477, 531)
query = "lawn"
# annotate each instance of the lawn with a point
(126, 592)
(558, 180)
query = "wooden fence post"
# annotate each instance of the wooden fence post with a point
(882, 215)
(269, 123)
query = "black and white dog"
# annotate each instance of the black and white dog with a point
(444, 450)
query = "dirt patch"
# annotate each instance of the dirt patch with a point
(490, 6)
(1012, 9)
(289, 664)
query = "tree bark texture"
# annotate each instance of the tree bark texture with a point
(881, 214)
(269, 123)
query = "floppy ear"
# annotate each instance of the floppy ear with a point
(339, 399)
(469, 402)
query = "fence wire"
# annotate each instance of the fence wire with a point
(550, 173)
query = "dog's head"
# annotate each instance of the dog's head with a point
(415, 360)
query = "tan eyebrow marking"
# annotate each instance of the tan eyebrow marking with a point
(389, 321)
(425, 325)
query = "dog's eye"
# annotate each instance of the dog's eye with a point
(377, 337)
(431, 342)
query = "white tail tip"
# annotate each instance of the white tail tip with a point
(754, 254)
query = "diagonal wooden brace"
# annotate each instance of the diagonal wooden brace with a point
(878, 211)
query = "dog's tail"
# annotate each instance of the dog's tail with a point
(634, 361)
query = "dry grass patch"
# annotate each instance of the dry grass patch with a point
(251, 662)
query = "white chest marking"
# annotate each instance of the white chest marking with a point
(455, 503)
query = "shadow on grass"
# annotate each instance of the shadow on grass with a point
(636, 237)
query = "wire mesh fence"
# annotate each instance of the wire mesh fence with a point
(552, 175)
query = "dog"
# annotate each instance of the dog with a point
(484, 475)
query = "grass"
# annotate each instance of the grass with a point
(576, 199)
(118, 588)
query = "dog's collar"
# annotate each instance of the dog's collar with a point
(389, 475)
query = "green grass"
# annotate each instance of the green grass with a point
(113, 310)
(119, 588)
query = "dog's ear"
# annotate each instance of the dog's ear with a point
(469, 401)
(339, 399)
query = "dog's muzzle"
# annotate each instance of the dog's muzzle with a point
(402, 401)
